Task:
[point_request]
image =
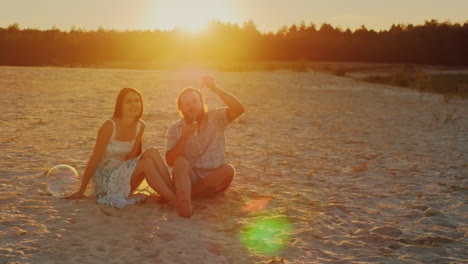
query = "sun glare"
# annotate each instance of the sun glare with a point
(189, 15)
(194, 25)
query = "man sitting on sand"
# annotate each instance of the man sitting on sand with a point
(196, 145)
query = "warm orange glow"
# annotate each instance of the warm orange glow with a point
(191, 16)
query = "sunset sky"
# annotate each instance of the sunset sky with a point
(268, 15)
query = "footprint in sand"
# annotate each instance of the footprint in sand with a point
(76, 243)
(113, 242)
(387, 231)
(165, 236)
(106, 211)
(151, 254)
(144, 239)
(101, 248)
(71, 220)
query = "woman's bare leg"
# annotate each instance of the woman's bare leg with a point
(136, 181)
(146, 167)
(154, 154)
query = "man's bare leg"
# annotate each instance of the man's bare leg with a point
(216, 182)
(183, 186)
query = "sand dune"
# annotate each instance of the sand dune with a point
(341, 171)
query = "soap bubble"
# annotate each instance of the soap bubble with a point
(62, 180)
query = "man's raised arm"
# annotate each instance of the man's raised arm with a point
(235, 108)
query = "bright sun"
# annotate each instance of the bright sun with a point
(190, 15)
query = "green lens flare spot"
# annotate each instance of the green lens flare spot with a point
(266, 235)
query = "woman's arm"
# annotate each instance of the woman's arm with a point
(104, 134)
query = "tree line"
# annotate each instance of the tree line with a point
(441, 43)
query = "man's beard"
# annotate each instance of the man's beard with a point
(195, 116)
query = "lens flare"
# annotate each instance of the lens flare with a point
(62, 180)
(266, 235)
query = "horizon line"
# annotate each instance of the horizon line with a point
(240, 25)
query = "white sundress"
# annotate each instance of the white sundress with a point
(112, 177)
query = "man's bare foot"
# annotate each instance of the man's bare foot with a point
(183, 205)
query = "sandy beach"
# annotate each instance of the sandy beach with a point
(351, 172)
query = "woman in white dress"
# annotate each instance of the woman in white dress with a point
(117, 166)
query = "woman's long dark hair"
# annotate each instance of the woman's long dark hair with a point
(120, 99)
